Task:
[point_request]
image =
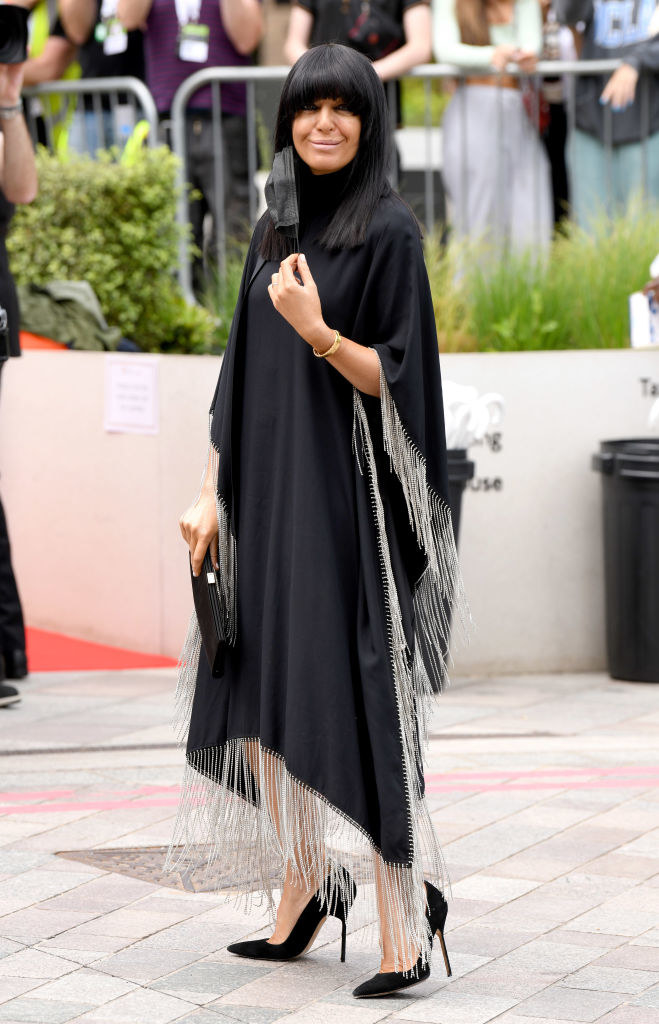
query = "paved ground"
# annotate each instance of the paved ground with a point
(545, 792)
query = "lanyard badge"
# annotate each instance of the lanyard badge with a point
(193, 36)
(193, 42)
(109, 31)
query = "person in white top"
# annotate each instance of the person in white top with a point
(495, 168)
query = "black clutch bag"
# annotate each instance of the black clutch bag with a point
(209, 616)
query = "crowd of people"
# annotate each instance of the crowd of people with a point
(504, 137)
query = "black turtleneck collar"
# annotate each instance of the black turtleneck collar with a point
(320, 194)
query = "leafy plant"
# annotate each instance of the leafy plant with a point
(413, 101)
(575, 298)
(113, 224)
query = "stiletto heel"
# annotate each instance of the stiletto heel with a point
(436, 914)
(384, 984)
(449, 972)
(307, 926)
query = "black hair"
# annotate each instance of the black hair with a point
(332, 71)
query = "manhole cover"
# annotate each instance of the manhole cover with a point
(148, 864)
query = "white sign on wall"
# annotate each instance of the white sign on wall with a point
(131, 394)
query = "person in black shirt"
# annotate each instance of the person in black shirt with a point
(105, 50)
(331, 21)
(18, 184)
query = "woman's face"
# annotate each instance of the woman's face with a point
(326, 135)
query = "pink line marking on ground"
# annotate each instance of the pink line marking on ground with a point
(540, 772)
(603, 784)
(90, 805)
(627, 777)
(50, 794)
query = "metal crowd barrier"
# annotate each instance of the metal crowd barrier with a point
(52, 108)
(217, 77)
(99, 117)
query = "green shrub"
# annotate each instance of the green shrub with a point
(576, 298)
(113, 224)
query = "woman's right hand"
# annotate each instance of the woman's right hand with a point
(199, 530)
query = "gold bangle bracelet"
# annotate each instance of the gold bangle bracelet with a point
(332, 349)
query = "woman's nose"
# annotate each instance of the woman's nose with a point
(325, 119)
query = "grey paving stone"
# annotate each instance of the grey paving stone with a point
(483, 940)
(650, 998)
(8, 946)
(86, 985)
(15, 862)
(570, 1004)
(205, 981)
(575, 938)
(144, 965)
(34, 963)
(142, 1006)
(248, 1014)
(450, 1007)
(612, 979)
(41, 1011)
(634, 956)
(496, 978)
(550, 957)
(631, 1015)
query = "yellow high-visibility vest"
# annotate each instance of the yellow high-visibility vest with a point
(58, 110)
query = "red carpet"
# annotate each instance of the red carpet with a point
(54, 652)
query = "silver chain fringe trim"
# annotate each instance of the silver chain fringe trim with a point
(241, 811)
(286, 829)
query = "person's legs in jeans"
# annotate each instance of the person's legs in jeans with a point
(12, 629)
(231, 215)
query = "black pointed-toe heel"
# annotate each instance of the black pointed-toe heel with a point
(384, 984)
(307, 926)
(392, 981)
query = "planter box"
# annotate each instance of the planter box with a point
(93, 516)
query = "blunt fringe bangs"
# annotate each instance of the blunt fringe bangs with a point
(333, 71)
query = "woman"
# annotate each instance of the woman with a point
(495, 169)
(18, 184)
(324, 508)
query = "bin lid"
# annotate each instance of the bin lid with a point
(629, 457)
(458, 465)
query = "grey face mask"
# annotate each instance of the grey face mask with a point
(281, 193)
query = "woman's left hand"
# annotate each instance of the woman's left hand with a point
(299, 304)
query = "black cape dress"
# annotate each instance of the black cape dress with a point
(338, 572)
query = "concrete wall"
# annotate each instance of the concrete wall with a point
(93, 515)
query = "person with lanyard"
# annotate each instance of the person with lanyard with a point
(105, 50)
(18, 184)
(182, 37)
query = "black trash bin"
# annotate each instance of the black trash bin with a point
(460, 470)
(630, 489)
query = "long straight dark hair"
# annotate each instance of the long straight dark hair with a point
(332, 71)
